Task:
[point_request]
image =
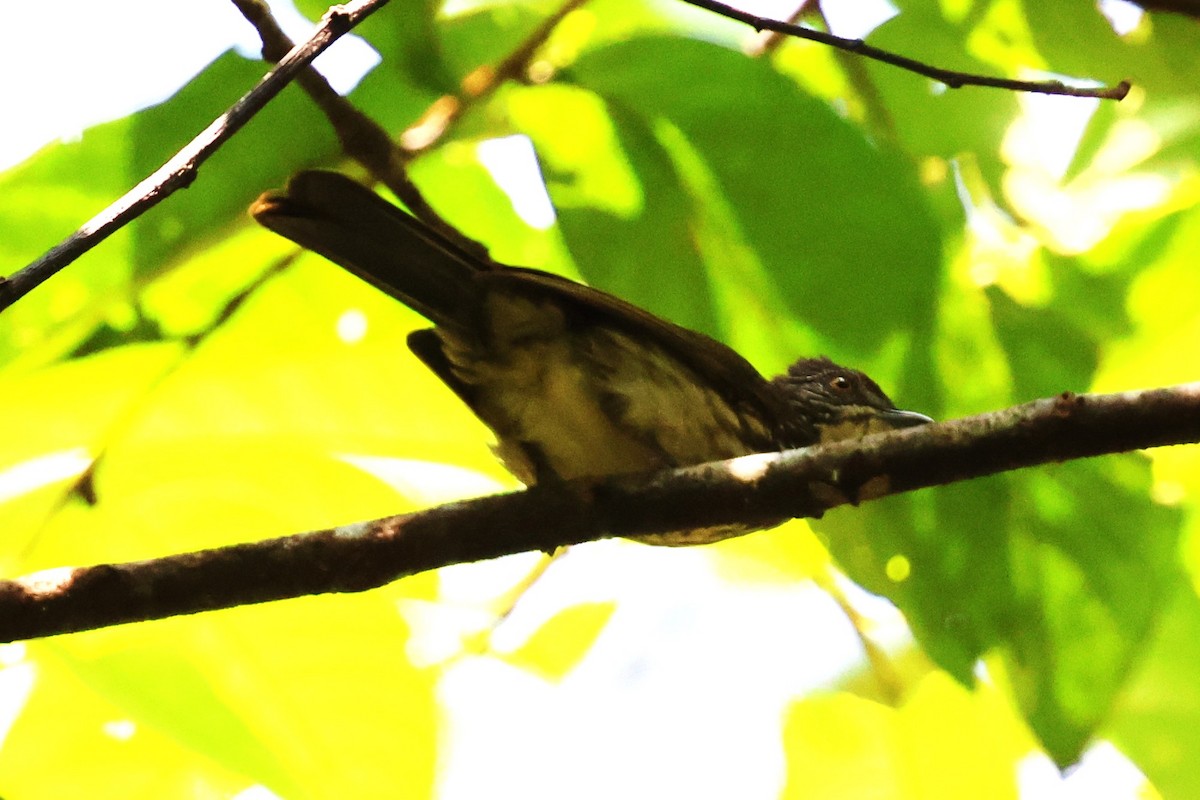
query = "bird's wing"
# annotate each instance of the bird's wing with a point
(715, 365)
(499, 327)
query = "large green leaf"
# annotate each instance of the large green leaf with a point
(1057, 571)
(1047, 354)
(288, 131)
(64, 185)
(1155, 721)
(623, 214)
(838, 224)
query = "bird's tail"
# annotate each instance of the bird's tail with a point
(357, 229)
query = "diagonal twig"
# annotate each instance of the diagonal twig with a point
(182, 168)
(361, 138)
(368, 143)
(951, 78)
(83, 485)
(481, 83)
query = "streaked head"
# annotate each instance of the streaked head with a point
(829, 402)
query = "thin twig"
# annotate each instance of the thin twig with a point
(181, 170)
(876, 112)
(1189, 7)
(768, 42)
(480, 83)
(83, 486)
(951, 78)
(757, 490)
(887, 678)
(361, 138)
(369, 144)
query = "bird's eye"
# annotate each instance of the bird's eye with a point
(840, 383)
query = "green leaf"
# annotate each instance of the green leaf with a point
(845, 234)
(69, 740)
(285, 375)
(942, 742)
(1060, 571)
(623, 214)
(1158, 61)
(163, 687)
(563, 641)
(42, 458)
(256, 157)
(1093, 563)
(244, 697)
(413, 71)
(64, 185)
(1047, 354)
(1155, 720)
(485, 34)
(1092, 50)
(933, 122)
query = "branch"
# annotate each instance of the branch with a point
(756, 491)
(361, 138)
(1189, 7)
(368, 143)
(480, 84)
(951, 78)
(181, 170)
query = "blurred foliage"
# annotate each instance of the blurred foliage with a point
(193, 383)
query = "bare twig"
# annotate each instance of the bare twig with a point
(361, 138)
(753, 490)
(949, 77)
(368, 143)
(181, 170)
(768, 42)
(1189, 7)
(480, 84)
(83, 486)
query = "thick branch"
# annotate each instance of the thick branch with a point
(181, 170)
(951, 78)
(754, 490)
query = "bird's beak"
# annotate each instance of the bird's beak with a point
(897, 418)
(859, 421)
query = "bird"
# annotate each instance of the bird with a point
(575, 383)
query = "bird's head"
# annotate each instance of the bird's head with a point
(827, 402)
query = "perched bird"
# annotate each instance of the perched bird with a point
(574, 382)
